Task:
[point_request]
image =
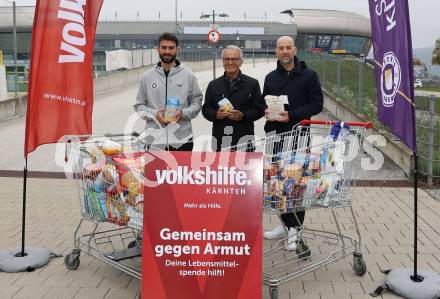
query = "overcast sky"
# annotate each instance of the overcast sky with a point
(425, 19)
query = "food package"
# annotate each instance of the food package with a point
(279, 188)
(288, 186)
(298, 192)
(289, 204)
(321, 192)
(274, 170)
(111, 148)
(171, 109)
(267, 202)
(309, 194)
(272, 186)
(226, 105)
(118, 212)
(267, 172)
(334, 188)
(131, 182)
(275, 105)
(130, 168)
(103, 181)
(282, 204)
(293, 171)
(93, 204)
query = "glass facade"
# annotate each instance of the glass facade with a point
(23, 45)
(353, 44)
(327, 43)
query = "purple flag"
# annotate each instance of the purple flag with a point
(391, 36)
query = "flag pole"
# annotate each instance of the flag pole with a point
(416, 277)
(22, 253)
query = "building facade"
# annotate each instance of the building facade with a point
(313, 30)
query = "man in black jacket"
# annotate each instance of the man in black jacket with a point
(232, 103)
(303, 98)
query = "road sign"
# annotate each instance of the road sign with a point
(214, 36)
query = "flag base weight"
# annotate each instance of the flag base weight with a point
(402, 282)
(13, 260)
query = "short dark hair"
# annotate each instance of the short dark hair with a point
(170, 37)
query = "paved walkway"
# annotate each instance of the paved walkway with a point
(384, 215)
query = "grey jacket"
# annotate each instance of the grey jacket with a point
(154, 89)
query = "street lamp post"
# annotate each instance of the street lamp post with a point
(214, 50)
(14, 34)
(175, 6)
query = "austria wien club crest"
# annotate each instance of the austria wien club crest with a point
(390, 78)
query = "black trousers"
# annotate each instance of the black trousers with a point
(289, 219)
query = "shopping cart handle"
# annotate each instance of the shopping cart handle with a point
(134, 134)
(306, 122)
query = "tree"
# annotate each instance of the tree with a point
(417, 61)
(436, 53)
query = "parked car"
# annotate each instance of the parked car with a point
(418, 83)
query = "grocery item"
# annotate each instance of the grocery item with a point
(293, 171)
(118, 213)
(171, 109)
(309, 194)
(298, 193)
(267, 202)
(282, 203)
(288, 186)
(279, 188)
(275, 105)
(226, 105)
(111, 148)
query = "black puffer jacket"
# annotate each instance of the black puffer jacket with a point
(245, 96)
(304, 92)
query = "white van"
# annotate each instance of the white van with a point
(418, 83)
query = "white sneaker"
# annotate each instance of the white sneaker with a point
(292, 238)
(278, 232)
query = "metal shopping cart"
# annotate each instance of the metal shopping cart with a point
(109, 171)
(310, 167)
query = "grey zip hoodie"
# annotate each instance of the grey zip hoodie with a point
(154, 89)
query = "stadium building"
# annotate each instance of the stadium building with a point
(314, 30)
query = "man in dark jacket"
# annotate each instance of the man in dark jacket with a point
(303, 98)
(232, 103)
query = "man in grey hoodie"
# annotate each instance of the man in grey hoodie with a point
(161, 86)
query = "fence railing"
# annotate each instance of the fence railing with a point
(353, 81)
(135, 58)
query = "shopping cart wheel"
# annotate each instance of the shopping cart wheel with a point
(273, 292)
(71, 262)
(132, 244)
(302, 250)
(359, 266)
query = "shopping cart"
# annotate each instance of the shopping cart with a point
(109, 172)
(310, 167)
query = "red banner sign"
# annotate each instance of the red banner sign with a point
(60, 93)
(202, 233)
